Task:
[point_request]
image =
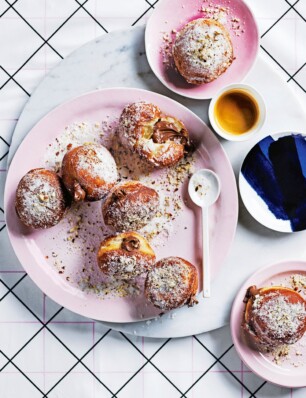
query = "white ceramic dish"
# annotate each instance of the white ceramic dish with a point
(272, 182)
(255, 129)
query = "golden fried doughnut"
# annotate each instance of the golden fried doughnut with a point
(202, 51)
(172, 283)
(125, 256)
(41, 199)
(274, 315)
(89, 172)
(129, 206)
(161, 140)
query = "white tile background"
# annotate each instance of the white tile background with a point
(46, 351)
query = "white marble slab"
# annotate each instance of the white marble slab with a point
(118, 59)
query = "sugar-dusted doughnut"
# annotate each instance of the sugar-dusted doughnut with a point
(89, 172)
(202, 51)
(274, 315)
(161, 140)
(41, 199)
(172, 283)
(125, 256)
(129, 206)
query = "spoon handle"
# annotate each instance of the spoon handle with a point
(205, 258)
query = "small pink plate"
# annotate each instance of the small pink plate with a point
(290, 372)
(48, 255)
(171, 15)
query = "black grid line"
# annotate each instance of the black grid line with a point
(258, 389)
(275, 60)
(13, 287)
(295, 73)
(279, 19)
(153, 3)
(143, 366)
(2, 139)
(32, 338)
(3, 156)
(291, 77)
(218, 360)
(152, 364)
(80, 361)
(298, 13)
(141, 16)
(41, 46)
(34, 30)
(44, 325)
(21, 372)
(1, 210)
(10, 360)
(8, 8)
(15, 81)
(95, 19)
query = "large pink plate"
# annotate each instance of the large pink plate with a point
(287, 373)
(31, 246)
(173, 15)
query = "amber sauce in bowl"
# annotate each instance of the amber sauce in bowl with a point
(237, 112)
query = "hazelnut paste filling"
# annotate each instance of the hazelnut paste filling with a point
(119, 194)
(79, 193)
(251, 292)
(130, 244)
(164, 131)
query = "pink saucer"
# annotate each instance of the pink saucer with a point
(47, 256)
(291, 371)
(173, 15)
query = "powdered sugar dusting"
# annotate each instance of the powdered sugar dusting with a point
(282, 318)
(287, 356)
(168, 284)
(167, 182)
(98, 161)
(41, 202)
(203, 51)
(298, 283)
(164, 152)
(136, 206)
(131, 116)
(83, 229)
(136, 127)
(74, 135)
(222, 14)
(127, 266)
(215, 12)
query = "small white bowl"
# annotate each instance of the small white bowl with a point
(262, 113)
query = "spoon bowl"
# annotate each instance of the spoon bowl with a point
(204, 189)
